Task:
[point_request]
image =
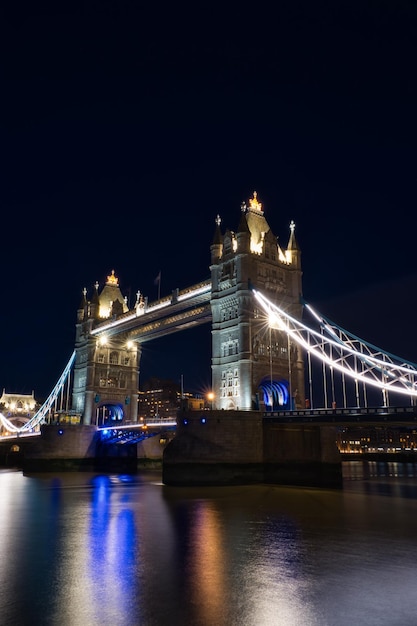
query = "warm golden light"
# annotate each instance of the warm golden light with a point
(112, 279)
(254, 204)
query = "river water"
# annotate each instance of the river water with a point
(80, 549)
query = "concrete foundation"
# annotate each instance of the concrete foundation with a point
(228, 447)
(75, 448)
(209, 448)
(69, 447)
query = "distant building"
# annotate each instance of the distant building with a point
(158, 399)
(194, 403)
(374, 439)
(19, 408)
(161, 399)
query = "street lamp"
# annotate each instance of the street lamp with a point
(210, 398)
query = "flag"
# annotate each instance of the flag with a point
(157, 279)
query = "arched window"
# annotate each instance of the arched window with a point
(114, 358)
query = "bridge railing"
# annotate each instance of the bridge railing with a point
(345, 411)
(149, 423)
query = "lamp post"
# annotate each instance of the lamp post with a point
(289, 371)
(210, 398)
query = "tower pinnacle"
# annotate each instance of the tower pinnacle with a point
(254, 204)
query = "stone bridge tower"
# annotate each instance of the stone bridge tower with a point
(254, 366)
(106, 373)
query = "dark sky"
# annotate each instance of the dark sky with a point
(126, 129)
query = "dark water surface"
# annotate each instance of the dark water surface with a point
(80, 549)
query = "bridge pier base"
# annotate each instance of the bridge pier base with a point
(301, 454)
(77, 447)
(232, 447)
(63, 447)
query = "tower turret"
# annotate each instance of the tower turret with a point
(82, 310)
(293, 250)
(106, 370)
(243, 235)
(95, 303)
(217, 245)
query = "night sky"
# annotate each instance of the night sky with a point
(125, 130)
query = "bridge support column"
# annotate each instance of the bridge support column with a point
(88, 407)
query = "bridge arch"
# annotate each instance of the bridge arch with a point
(109, 413)
(275, 394)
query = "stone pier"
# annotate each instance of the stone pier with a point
(243, 447)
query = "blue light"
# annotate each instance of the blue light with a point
(185, 422)
(60, 431)
(203, 420)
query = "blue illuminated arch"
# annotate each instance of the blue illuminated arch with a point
(275, 394)
(109, 413)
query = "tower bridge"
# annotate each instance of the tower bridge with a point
(245, 352)
(263, 349)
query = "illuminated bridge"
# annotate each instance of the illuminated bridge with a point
(272, 353)
(350, 368)
(135, 433)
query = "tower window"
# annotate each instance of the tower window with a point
(114, 358)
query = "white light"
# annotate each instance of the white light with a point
(388, 369)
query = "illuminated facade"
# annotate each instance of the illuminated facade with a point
(254, 366)
(19, 408)
(106, 371)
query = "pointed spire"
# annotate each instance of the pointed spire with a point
(292, 243)
(83, 302)
(95, 298)
(217, 239)
(95, 302)
(243, 223)
(82, 310)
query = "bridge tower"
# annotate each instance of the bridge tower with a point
(254, 366)
(106, 374)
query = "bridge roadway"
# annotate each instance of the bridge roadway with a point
(126, 433)
(134, 433)
(343, 417)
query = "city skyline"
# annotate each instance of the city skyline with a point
(121, 149)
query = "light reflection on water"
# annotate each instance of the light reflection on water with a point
(85, 549)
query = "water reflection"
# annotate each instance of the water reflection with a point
(114, 550)
(383, 478)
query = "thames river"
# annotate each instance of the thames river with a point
(81, 549)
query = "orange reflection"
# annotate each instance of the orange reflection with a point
(208, 565)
